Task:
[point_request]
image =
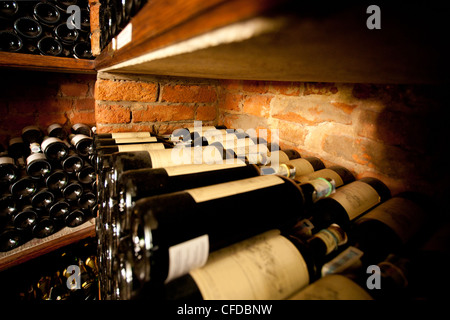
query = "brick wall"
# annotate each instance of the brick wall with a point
(392, 132)
(40, 98)
(160, 105)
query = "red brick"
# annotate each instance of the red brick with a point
(74, 89)
(255, 86)
(231, 101)
(57, 105)
(112, 114)
(231, 84)
(82, 117)
(189, 93)
(292, 132)
(286, 88)
(164, 113)
(258, 105)
(110, 90)
(47, 119)
(206, 113)
(84, 104)
(95, 42)
(94, 9)
(320, 88)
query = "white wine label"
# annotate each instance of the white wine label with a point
(136, 139)
(264, 267)
(402, 215)
(15, 140)
(124, 37)
(233, 187)
(278, 157)
(249, 149)
(140, 147)
(323, 173)
(302, 166)
(54, 126)
(356, 198)
(330, 240)
(332, 287)
(117, 135)
(346, 259)
(201, 129)
(35, 156)
(49, 141)
(187, 255)
(6, 160)
(78, 137)
(196, 168)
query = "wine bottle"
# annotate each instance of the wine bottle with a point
(253, 268)
(74, 218)
(38, 166)
(10, 238)
(86, 175)
(81, 128)
(57, 180)
(28, 28)
(9, 9)
(49, 46)
(32, 134)
(83, 144)
(42, 199)
(210, 218)
(283, 156)
(136, 184)
(10, 42)
(339, 174)
(73, 163)
(136, 146)
(221, 136)
(392, 225)
(87, 200)
(122, 135)
(8, 170)
(59, 210)
(284, 170)
(73, 191)
(55, 149)
(184, 134)
(8, 205)
(82, 50)
(46, 13)
(25, 219)
(45, 226)
(119, 141)
(65, 35)
(18, 150)
(345, 205)
(304, 166)
(24, 187)
(56, 130)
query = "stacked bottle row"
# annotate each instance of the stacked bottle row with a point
(46, 183)
(59, 28)
(168, 216)
(68, 273)
(115, 16)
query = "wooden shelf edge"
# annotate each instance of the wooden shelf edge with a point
(37, 247)
(45, 63)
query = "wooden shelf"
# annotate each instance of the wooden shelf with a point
(281, 40)
(45, 63)
(37, 247)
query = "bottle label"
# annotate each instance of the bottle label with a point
(346, 259)
(117, 135)
(49, 141)
(136, 139)
(242, 151)
(140, 147)
(332, 287)
(195, 168)
(15, 140)
(181, 155)
(187, 255)
(78, 137)
(35, 156)
(6, 160)
(52, 127)
(328, 238)
(267, 266)
(323, 173)
(302, 166)
(280, 155)
(233, 187)
(400, 214)
(356, 198)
